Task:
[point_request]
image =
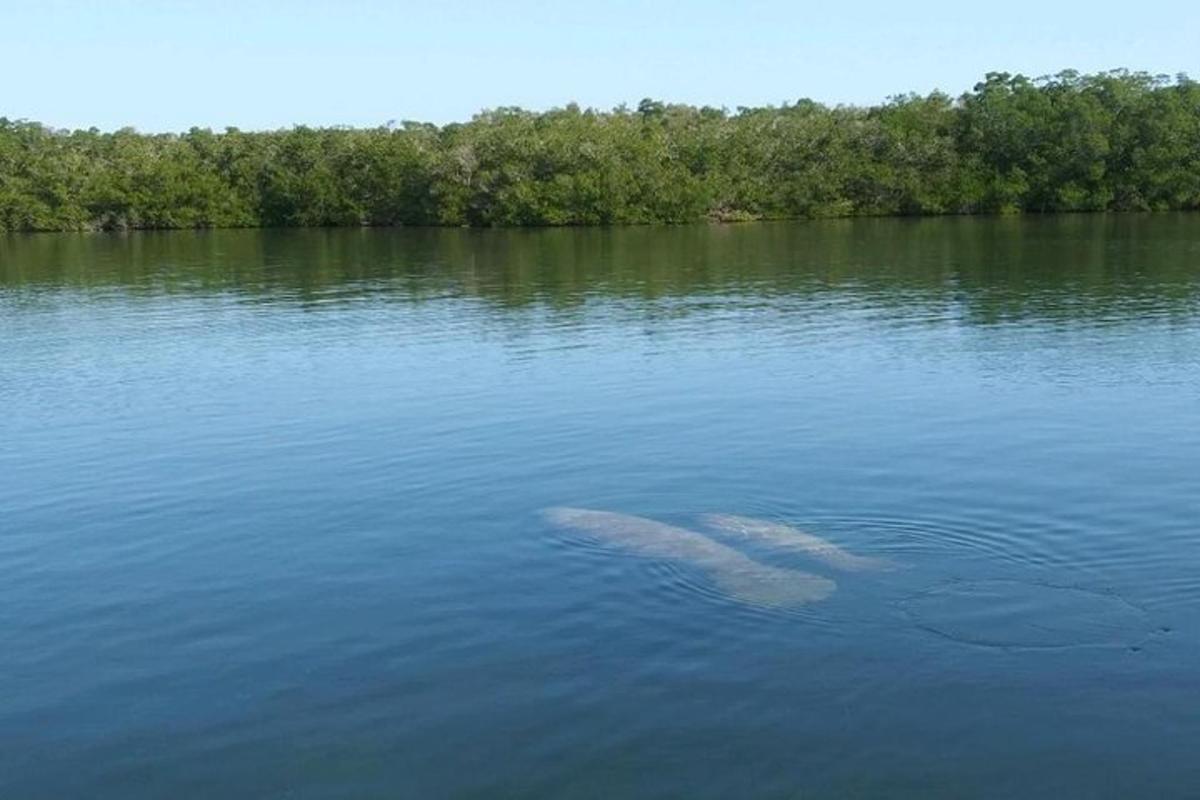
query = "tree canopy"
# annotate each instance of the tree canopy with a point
(1111, 141)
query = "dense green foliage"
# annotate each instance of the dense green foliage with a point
(1113, 141)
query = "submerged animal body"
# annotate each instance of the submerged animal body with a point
(786, 537)
(735, 574)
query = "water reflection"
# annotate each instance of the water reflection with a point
(977, 271)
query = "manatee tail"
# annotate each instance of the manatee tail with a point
(772, 587)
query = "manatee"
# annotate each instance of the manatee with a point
(786, 537)
(735, 574)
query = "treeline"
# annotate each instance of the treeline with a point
(1071, 142)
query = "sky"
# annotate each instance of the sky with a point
(259, 64)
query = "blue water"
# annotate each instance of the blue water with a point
(271, 511)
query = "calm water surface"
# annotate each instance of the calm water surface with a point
(271, 511)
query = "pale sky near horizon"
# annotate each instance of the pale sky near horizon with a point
(255, 64)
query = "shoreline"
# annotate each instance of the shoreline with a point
(1114, 141)
(700, 223)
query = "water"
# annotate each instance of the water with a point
(271, 511)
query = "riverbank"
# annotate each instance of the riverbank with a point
(1116, 141)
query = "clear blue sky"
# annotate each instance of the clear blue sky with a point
(167, 65)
